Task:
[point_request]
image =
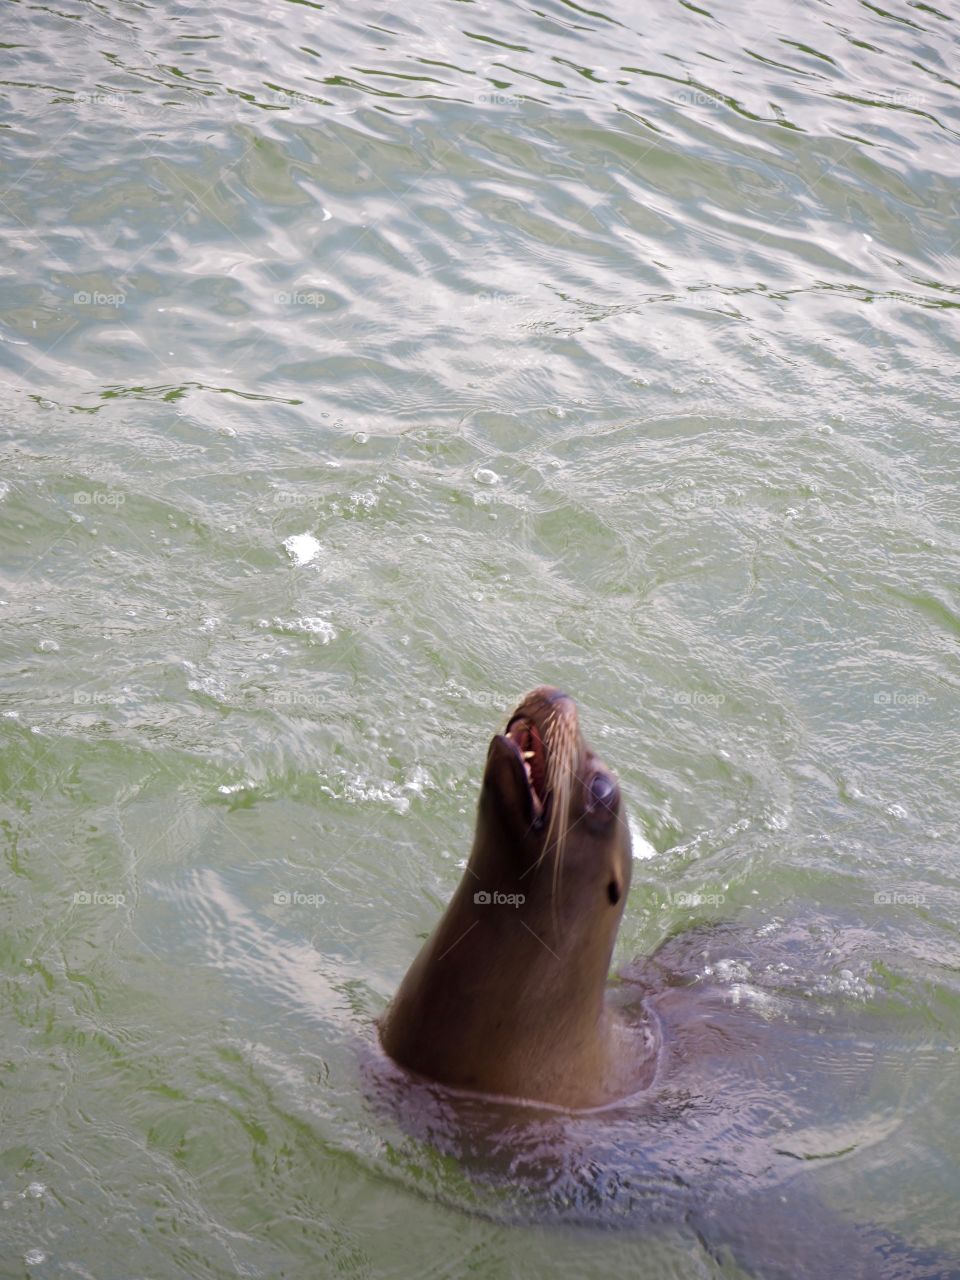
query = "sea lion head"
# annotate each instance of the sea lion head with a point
(507, 994)
(550, 822)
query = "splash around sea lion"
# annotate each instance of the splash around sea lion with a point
(507, 996)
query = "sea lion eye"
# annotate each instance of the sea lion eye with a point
(613, 893)
(603, 791)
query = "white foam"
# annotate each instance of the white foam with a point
(642, 848)
(302, 548)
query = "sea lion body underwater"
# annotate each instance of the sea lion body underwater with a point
(507, 995)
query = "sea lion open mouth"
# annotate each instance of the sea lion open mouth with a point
(525, 736)
(545, 733)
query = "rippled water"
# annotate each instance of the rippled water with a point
(363, 366)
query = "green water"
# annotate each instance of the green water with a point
(364, 365)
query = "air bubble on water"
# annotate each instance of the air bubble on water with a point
(367, 500)
(483, 475)
(360, 437)
(34, 1257)
(34, 1189)
(47, 646)
(318, 627)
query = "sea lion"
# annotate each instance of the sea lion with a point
(507, 995)
(695, 1095)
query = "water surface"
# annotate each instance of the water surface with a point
(363, 366)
